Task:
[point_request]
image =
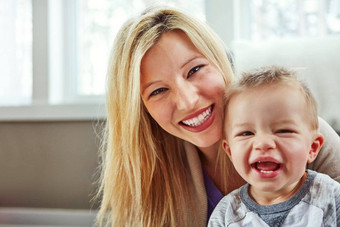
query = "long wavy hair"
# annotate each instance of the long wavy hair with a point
(145, 180)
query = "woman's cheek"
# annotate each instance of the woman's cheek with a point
(158, 114)
(162, 114)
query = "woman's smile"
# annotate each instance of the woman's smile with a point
(199, 121)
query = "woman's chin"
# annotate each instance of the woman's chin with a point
(207, 143)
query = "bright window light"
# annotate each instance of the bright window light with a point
(16, 52)
(98, 22)
(270, 19)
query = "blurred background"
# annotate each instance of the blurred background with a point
(53, 61)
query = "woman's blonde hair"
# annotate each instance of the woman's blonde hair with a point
(145, 180)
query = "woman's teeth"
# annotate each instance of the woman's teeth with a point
(196, 121)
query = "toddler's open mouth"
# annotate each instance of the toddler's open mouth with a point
(266, 166)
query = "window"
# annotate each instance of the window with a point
(270, 19)
(55, 54)
(16, 52)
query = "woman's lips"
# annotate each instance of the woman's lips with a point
(200, 120)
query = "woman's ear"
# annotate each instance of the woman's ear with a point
(315, 147)
(226, 148)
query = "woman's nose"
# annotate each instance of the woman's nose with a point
(264, 142)
(186, 96)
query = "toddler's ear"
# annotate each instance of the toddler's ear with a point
(226, 148)
(315, 147)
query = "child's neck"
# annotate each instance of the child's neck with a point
(271, 198)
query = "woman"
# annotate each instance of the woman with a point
(167, 76)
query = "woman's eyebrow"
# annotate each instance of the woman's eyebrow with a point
(190, 60)
(143, 88)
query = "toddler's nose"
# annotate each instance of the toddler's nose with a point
(264, 142)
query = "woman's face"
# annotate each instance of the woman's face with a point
(182, 90)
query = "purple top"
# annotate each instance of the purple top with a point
(213, 194)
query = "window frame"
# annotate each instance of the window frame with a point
(48, 103)
(54, 48)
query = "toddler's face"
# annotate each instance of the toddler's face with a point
(269, 138)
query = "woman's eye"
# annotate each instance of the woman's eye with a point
(157, 91)
(194, 70)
